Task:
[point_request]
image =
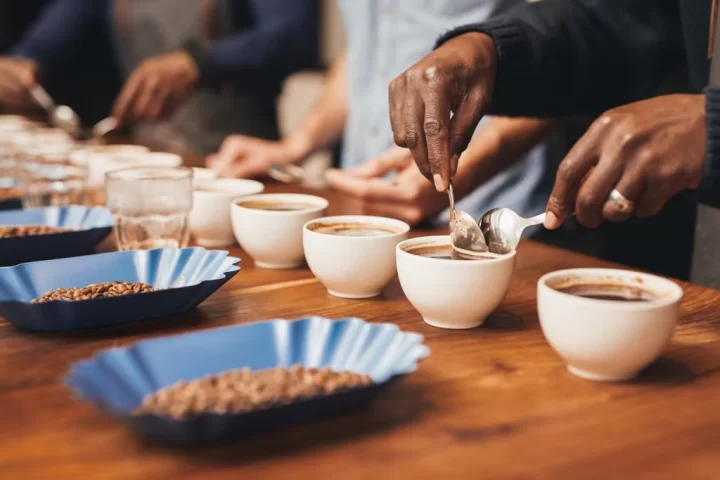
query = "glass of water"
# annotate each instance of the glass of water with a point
(44, 185)
(150, 206)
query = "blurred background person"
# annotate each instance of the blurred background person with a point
(192, 71)
(384, 38)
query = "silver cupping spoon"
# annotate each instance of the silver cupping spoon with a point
(465, 235)
(105, 126)
(502, 229)
(61, 116)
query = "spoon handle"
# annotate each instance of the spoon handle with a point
(451, 195)
(42, 97)
(536, 220)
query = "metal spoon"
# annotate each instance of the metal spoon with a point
(287, 173)
(105, 126)
(465, 235)
(502, 229)
(61, 116)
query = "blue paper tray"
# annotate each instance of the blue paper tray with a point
(183, 278)
(91, 226)
(117, 380)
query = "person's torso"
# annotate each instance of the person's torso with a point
(386, 37)
(147, 28)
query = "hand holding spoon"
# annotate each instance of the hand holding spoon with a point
(61, 116)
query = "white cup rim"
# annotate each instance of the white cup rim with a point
(672, 292)
(442, 241)
(318, 203)
(403, 228)
(252, 187)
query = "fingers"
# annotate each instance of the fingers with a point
(150, 100)
(570, 175)
(415, 135)
(396, 94)
(631, 186)
(595, 189)
(392, 160)
(370, 189)
(436, 127)
(231, 151)
(465, 120)
(124, 105)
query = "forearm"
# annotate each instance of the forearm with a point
(282, 40)
(582, 56)
(498, 145)
(325, 123)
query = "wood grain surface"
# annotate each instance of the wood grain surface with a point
(493, 402)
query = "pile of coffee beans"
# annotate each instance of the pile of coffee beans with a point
(9, 193)
(239, 391)
(96, 290)
(30, 230)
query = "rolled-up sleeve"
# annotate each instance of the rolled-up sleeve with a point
(282, 39)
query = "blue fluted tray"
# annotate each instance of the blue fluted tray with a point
(183, 278)
(117, 380)
(90, 224)
(6, 182)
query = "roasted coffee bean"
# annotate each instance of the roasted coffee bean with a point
(30, 230)
(238, 391)
(96, 290)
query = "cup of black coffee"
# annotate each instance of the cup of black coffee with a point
(269, 227)
(607, 324)
(448, 289)
(353, 256)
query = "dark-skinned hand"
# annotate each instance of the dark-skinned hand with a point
(156, 88)
(648, 151)
(17, 75)
(458, 78)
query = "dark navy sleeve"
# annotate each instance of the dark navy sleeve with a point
(281, 39)
(582, 56)
(65, 31)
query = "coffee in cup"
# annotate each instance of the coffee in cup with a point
(269, 227)
(277, 206)
(354, 229)
(607, 324)
(450, 291)
(353, 255)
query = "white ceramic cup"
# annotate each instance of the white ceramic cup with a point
(607, 340)
(273, 238)
(210, 221)
(454, 294)
(100, 164)
(354, 266)
(81, 156)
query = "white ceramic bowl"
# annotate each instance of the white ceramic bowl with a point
(274, 239)
(353, 266)
(100, 164)
(210, 221)
(452, 294)
(607, 340)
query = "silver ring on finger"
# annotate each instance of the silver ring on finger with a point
(620, 202)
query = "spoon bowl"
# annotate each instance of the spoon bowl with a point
(502, 229)
(465, 235)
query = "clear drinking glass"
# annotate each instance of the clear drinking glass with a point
(150, 206)
(44, 185)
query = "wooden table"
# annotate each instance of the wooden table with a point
(493, 402)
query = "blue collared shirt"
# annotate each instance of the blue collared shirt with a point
(385, 38)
